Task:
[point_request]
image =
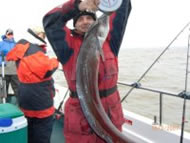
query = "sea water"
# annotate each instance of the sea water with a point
(168, 74)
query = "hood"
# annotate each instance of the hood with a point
(7, 40)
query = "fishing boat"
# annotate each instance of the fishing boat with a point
(140, 129)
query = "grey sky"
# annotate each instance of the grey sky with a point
(152, 23)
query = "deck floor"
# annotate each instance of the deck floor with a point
(57, 134)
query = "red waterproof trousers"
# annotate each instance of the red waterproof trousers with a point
(76, 127)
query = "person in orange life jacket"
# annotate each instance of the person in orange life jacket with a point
(36, 89)
(6, 45)
(66, 44)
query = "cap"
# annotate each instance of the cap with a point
(92, 14)
(37, 30)
(9, 31)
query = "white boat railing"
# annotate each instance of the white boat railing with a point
(161, 93)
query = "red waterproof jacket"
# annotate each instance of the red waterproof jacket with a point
(34, 69)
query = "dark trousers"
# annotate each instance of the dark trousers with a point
(39, 130)
(13, 80)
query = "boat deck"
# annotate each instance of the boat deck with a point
(57, 134)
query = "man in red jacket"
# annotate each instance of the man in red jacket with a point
(36, 89)
(66, 44)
